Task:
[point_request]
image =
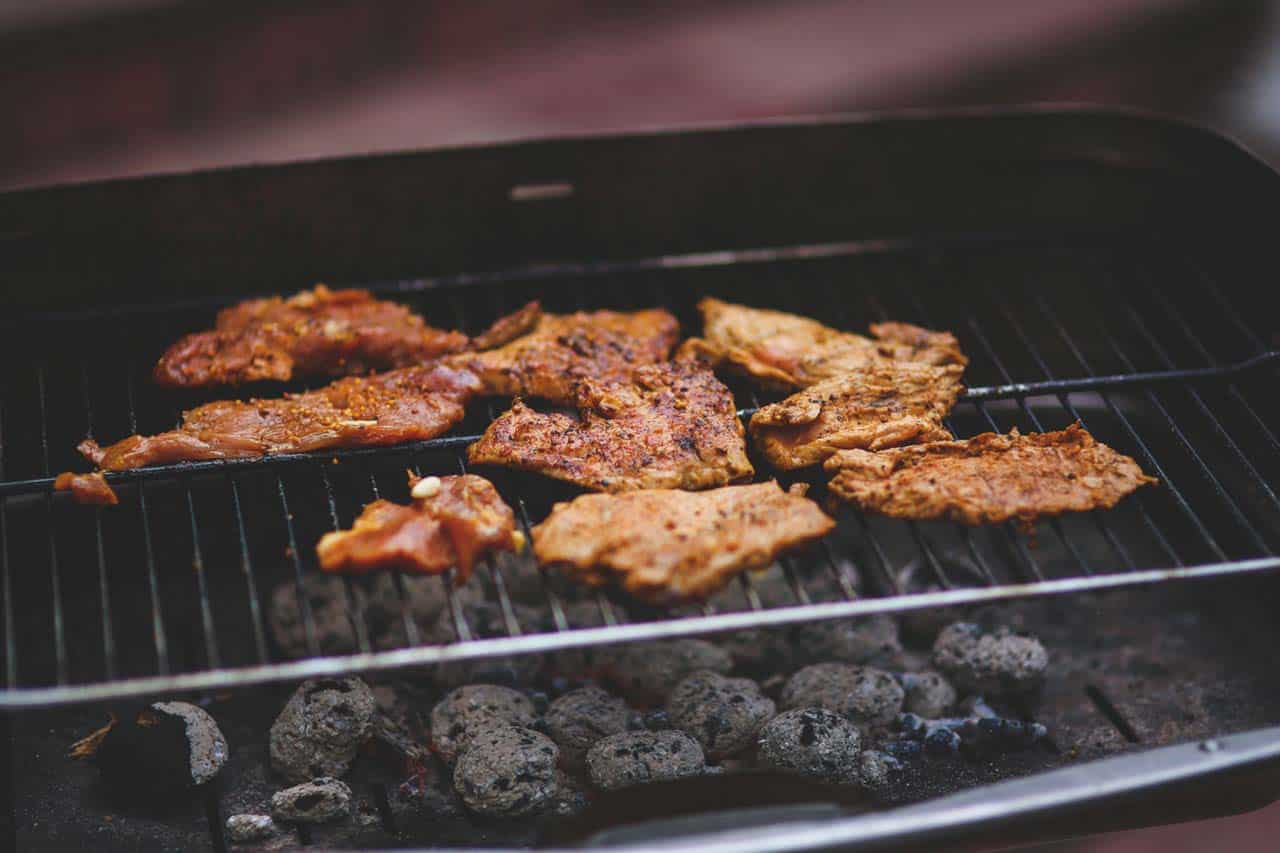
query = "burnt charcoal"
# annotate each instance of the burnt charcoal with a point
(424, 600)
(485, 620)
(919, 628)
(760, 652)
(321, 728)
(581, 717)
(578, 664)
(326, 596)
(870, 640)
(902, 750)
(507, 772)
(877, 769)
(633, 758)
(646, 672)
(656, 720)
(164, 751)
(318, 801)
(928, 694)
(998, 662)
(243, 828)
(467, 711)
(867, 697)
(723, 714)
(975, 736)
(812, 742)
(941, 741)
(570, 798)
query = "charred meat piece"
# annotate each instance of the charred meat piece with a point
(557, 350)
(885, 404)
(667, 546)
(411, 404)
(452, 521)
(673, 427)
(988, 479)
(89, 489)
(316, 332)
(783, 350)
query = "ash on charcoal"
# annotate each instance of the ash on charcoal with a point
(243, 828)
(318, 801)
(876, 769)
(723, 714)
(632, 758)
(865, 696)
(326, 595)
(812, 742)
(646, 672)
(473, 709)
(485, 620)
(321, 728)
(163, 751)
(928, 694)
(581, 717)
(990, 662)
(871, 640)
(507, 772)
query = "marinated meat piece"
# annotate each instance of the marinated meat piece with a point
(885, 404)
(674, 427)
(315, 332)
(410, 404)
(989, 478)
(789, 351)
(90, 489)
(453, 521)
(560, 349)
(668, 545)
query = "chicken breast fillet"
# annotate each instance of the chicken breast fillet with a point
(786, 351)
(410, 404)
(668, 546)
(453, 521)
(673, 426)
(547, 354)
(989, 478)
(887, 403)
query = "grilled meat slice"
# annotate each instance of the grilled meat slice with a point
(453, 521)
(674, 426)
(90, 489)
(783, 350)
(989, 478)
(668, 546)
(560, 349)
(316, 332)
(410, 404)
(887, 403)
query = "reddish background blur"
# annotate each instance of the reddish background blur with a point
(94, 89)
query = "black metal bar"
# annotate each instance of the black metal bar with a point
(246, 568)
(793, 580)
(749, 591)
(304, 605)
(153, 584)
(202, 584)
(10, 635)
(847, 588)
(55, 575)
(355, 613)
(110, 664)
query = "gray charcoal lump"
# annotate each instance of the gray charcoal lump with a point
(632, 758)
(243, 828)
(928, 694)
(485, 619)
(646, 672)
(990, 662)
(871, 640)
(467, 711)
(166, 749)
(318, 801)
(321, 728)
(581, 717)
(864, 695)
(507, 772)
(326, 596)
(812, 742)
(723, 714)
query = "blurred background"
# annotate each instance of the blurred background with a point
(94, 89)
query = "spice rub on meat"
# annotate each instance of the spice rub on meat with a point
(410, 404)
(90, 489)
(782, 350)
(546, 354)
(989, 478)
(668, 546)
(672, 427)
(885, 404)
(453, 521)
(316, 332)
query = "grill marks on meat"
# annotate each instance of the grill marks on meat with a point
(668, 546)
(453, 521)
(673, 426)
(315, 332)
(783, 350)
(557, 350)
(89, 489)
(988, 479)
(410, 404)
(887, 403)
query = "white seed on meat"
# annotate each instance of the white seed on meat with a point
(427, 487)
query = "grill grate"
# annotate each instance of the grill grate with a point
(1136, 341)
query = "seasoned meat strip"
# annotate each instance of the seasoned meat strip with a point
(885, 404)
(316, 332)
(783, 350)
(90, 489)
(558, 350)
(453, 521)
(667, 545)
(674, 426)
(989, 478)
(410, 404)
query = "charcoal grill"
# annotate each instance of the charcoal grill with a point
(1096, 267)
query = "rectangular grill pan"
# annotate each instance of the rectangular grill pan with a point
(1095, 266)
